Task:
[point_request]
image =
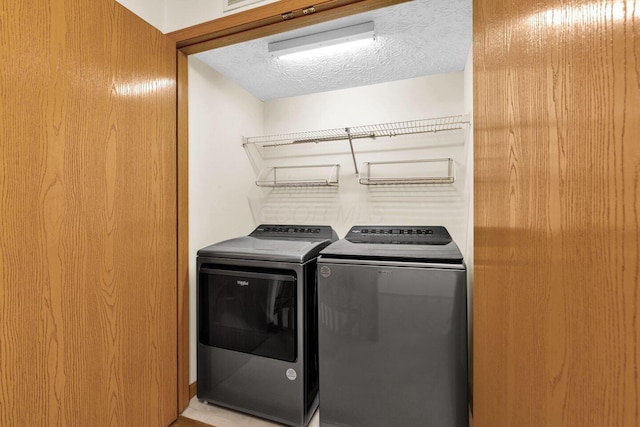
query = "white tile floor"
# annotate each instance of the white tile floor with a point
(222, 417)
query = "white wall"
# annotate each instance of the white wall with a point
(418, 98)
(220, 175)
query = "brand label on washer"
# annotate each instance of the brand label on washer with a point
(291, 374)
(325, 271)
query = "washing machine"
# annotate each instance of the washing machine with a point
(393, 329)
(257, 326)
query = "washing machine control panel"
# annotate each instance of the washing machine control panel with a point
(400, 235)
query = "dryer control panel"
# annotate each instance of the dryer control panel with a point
(303, 232)
(399, 235)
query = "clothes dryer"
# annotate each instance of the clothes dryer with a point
(257, 322)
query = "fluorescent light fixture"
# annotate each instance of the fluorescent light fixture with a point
(323, 39)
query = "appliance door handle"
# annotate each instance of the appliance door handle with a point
(251, 274)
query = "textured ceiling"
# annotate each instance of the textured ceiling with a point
(413, 39)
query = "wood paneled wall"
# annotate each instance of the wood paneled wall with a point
(557, 213)
(87, 217)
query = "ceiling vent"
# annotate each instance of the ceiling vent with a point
(234, 4)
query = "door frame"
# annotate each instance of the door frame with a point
(262, 21)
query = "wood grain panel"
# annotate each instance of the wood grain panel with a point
(88, 217)
(557, 213)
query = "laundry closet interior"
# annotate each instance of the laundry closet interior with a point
(378, 150)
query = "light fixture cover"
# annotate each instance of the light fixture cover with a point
(323, 39)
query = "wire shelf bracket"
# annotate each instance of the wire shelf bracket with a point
(300, 176)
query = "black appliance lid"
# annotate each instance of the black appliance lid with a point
(271, 242)
(410, 243)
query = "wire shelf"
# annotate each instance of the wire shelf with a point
(440, 124)
(427, 171)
